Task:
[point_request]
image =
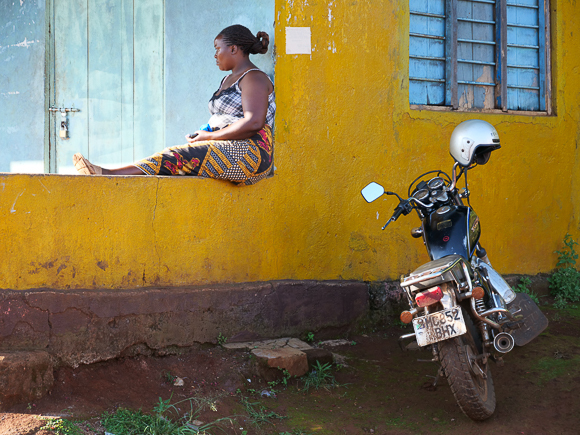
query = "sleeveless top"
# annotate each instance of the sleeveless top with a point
(226, 107)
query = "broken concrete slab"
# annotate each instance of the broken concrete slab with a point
(276, 355)
(25, 376)
(276, 343)
(292, 354)
(294, 361)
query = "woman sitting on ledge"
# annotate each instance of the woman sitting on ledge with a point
(239, 146)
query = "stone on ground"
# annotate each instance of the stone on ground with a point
(287, 358)
(287, 353)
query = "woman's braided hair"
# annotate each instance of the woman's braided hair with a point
(243, 38)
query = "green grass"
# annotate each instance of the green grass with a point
(400, 423)
(549, 368)
(164, 420)
(221, 339)
(319, 377)
(565, 282)
(258, 413)
(522, 287)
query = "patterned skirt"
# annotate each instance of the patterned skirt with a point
(242, 162)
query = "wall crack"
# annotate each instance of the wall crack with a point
(154, 232)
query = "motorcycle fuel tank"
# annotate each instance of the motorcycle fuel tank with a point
(451, 230)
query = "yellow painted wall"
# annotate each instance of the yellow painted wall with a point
(343, 120)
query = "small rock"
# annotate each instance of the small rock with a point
(195, 424)
(339, 359)
(334, 343)
(178, 382)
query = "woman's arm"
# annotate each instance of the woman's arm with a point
(255, 88)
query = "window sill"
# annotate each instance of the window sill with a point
(490, 111)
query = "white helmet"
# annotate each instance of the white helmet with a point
(472, 142)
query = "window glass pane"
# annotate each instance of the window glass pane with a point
(475, 54)
(429, 6)
(427, 52)
(523, 55)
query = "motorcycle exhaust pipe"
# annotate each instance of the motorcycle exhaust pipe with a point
(503, 342)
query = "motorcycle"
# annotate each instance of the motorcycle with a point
(459, 306)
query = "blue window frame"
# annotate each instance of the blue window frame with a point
(480, 54)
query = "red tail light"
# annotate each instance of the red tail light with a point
(429, 297)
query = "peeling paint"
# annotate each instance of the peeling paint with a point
(26, 43)
(44, 186)
(13, 210)
(330, 4)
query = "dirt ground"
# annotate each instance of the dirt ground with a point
(383, 390)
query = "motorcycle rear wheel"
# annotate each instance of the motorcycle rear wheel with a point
(474, 394)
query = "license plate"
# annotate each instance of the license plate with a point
(439, 326)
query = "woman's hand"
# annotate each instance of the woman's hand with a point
(201, 136)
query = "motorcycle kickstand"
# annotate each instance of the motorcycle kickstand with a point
(440, 374)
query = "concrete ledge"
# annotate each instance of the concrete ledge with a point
(82, 327)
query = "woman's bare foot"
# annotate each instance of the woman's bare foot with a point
(84, 167)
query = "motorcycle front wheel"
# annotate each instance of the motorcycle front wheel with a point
(469, 378)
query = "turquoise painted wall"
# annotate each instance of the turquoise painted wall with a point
(22, 46)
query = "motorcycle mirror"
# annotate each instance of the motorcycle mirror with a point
(372, 192)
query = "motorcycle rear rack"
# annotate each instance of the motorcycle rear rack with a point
(450, 268)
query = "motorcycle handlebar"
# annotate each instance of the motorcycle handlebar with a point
(398, 212)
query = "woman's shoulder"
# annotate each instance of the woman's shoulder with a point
(255, 76)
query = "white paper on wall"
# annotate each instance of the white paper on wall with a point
(298, 40)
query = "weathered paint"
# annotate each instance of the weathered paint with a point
(21, 84)
(343, 120)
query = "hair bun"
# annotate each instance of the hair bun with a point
(242, 37)
(263, 40)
